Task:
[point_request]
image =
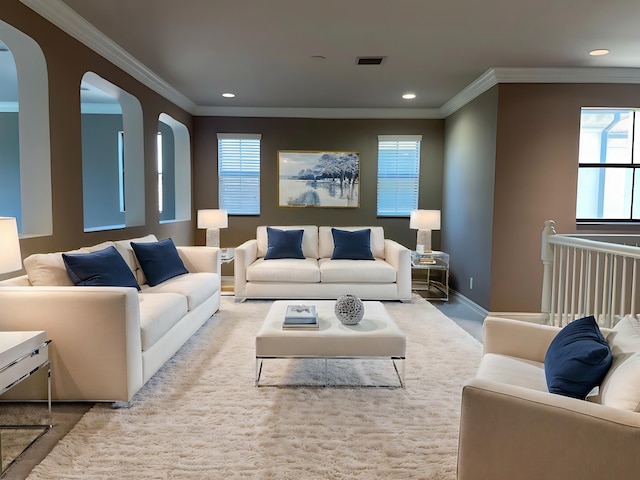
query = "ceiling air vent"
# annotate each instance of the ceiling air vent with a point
(370, 60)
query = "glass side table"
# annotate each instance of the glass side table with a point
(21, 355)
(436, 266)
(227, 255)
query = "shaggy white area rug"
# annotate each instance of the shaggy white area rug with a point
(201, 417)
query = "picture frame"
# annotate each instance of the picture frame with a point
(318, 179)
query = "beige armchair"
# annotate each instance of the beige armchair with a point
(512, 428)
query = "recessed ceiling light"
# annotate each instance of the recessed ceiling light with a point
(228, 95)
(409, 96)
(598, 52)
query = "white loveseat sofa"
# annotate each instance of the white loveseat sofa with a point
(511, 427)
(387, 277)
(107, 342)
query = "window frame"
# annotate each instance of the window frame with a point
(413, 172)
(244, 169)
(633, 166)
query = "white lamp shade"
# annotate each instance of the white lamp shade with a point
(10, 259)
(212, 219)
(425, 220)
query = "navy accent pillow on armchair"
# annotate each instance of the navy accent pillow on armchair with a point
(355, 245)
(159, 260)
(283, 244)
(104, 268)
(577, 360)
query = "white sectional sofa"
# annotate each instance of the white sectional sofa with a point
(107, 342)
(317, 275)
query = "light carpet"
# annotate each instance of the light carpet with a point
(201, 417)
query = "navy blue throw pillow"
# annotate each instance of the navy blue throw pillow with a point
(577, 360)
(159, 260)
(354, 245)
(104, 268)
(284, 244)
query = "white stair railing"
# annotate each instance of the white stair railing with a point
(586, 277)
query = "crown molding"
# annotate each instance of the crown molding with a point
(568, 75)
(497, 75)
(336, 113)
(70, 22)
(476, 88)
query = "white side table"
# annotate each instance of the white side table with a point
(21, 355)
(436, 266)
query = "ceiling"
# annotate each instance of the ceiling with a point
(265, 51)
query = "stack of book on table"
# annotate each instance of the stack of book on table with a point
(300, 317)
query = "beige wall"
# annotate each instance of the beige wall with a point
(67, 61)
(316, 134)
(536, 178)
(470, 153)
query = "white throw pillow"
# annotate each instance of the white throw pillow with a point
(621, 386)
(48, 270)
(126, 250)
(625, 337)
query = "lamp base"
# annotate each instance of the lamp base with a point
(213, 237)
(423, 241)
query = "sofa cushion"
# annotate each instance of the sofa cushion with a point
(512, 371)
(625, 337)
(196, 287)
(159, 260)
(284, 244)
(48, 269)
(284, 270)
(326, 246)
(103, 268)
(309, 239)
(158, 313)
(356, 271)
(126, 250)
(621, 386)
(577, 359)
(351, 245)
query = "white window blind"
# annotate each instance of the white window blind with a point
(239, 173)
(398, 174)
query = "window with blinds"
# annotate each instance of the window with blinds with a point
(239, 173)
(398, 174)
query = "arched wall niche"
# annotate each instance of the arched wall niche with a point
(128, 106)
(182, 175)
(36, 211)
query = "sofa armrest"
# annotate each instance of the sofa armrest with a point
(201, 259)
(399, 257)
(509, 432)
(245, 255)
(517, 338)
(96, 351)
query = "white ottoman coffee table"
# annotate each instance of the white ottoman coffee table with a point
(376, 337)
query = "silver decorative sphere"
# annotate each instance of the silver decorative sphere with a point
(349, 309)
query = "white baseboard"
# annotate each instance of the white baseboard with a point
(533, 317)
(469, 303)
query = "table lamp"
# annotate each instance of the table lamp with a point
(424, 221)
(213, 221)
(10, 259)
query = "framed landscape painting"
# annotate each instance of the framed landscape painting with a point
(318, 179)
